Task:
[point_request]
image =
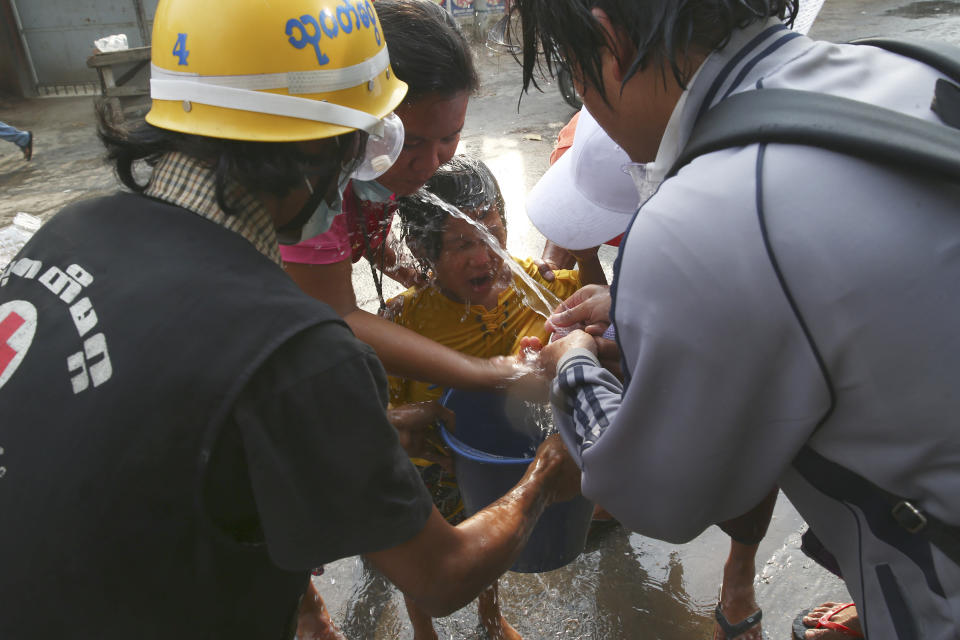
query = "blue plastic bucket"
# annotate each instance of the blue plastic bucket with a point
(490, 456)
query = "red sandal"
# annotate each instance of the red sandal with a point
(825, 622)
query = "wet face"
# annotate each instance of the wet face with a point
(432, 128)
(468, 270)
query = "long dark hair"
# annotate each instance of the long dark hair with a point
(260, 167)
(663, 32)
(466, 183)
(427, 49)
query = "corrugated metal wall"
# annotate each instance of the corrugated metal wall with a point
(58, 35)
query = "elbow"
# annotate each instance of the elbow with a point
(452, 581)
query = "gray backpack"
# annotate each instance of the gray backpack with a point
(843, 125)
(879, 135)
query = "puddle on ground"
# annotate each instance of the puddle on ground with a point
(624, 586)
(926, 9)
(620, 587)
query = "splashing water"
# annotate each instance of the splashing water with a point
(536, 296)
(537, 424)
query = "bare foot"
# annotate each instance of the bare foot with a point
(313, 619)
(737, 598)
(846, 617)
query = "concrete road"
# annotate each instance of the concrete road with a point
(624, 586)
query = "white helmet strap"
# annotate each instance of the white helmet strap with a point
(247, 92)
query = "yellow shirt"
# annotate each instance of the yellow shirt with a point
(473, 330)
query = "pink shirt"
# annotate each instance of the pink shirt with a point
(362, 224)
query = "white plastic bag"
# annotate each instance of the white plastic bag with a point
(14, 236)
(116, 42)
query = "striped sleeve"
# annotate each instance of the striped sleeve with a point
(585, 398)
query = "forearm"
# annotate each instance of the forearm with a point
(591, 271)
(403, 352)
(454, 564)
(407, 354)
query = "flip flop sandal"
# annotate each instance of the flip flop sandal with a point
(732, 631)
(800, 629)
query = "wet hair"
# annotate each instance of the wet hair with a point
(466, 183)
(427, 49)
(663, 32)
(265, 167)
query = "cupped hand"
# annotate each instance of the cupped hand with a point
(588, 307)
(553, 258)
(523, 373)
(530, 345)
(609, 355)
(553, 352)
(563, 480)
(412, 422)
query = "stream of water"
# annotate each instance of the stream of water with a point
(534, 295)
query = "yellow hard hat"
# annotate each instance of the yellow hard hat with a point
(270, 71)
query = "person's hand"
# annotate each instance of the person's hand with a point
(563, 480)
(406, 275)
(609, 355)
(389, 262)
(530, 345)
(551, 354)
(588, 307)
(523, 373)
(554, 257)
(412, 421)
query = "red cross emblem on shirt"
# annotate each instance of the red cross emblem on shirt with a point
(9, 325)
(18, 326)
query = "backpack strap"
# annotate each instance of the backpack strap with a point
(818, 120)
(839, 124)
(898, 521)
(943, 57)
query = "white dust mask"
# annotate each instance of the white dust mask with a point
(381, 150)
(319, 214)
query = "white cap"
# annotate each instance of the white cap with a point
(586, 198)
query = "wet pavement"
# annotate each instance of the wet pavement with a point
(623, 585)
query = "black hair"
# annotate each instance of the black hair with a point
(427, 49)
(464, 182)
(664, 32)
(260, 167)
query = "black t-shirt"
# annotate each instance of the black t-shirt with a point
(185, 434)
(309, 463)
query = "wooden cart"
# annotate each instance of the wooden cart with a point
(124, 81)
